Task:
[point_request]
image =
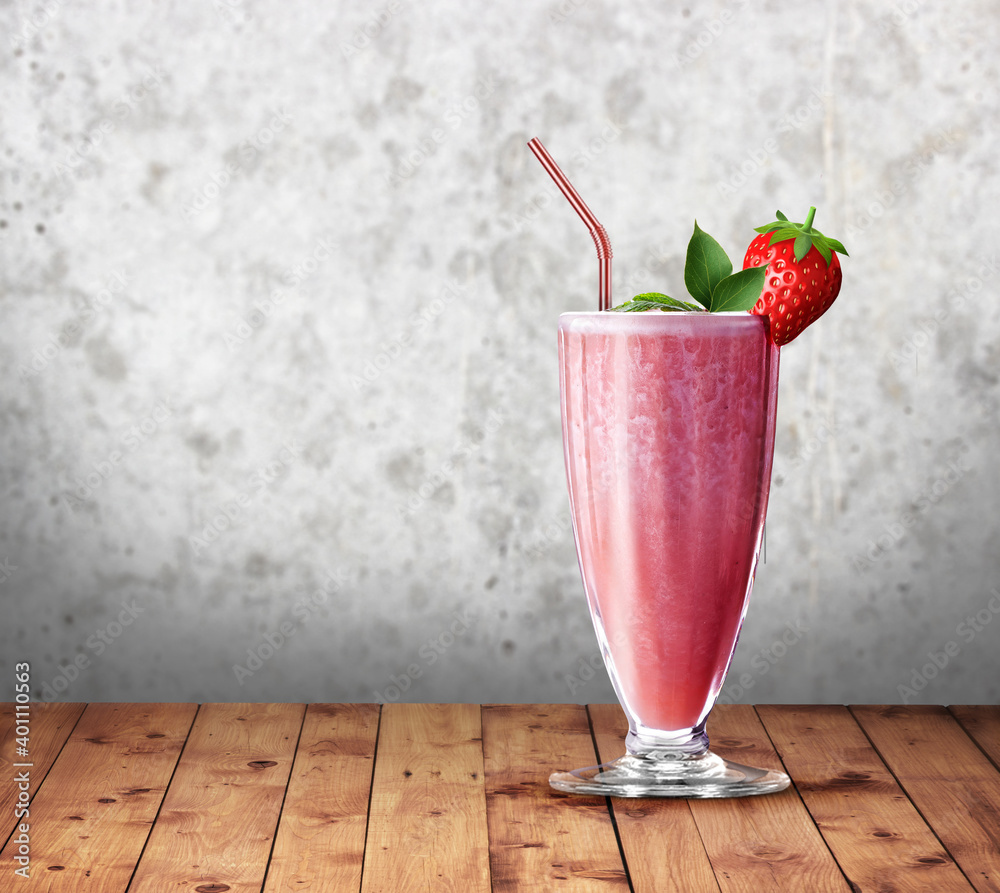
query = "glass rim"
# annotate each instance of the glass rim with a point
(727, 314)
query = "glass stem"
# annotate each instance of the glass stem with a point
(692, 743)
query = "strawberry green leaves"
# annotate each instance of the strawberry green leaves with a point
(804, 235)
(709, 276)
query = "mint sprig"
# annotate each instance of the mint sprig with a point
(653, 300)
(709, 277)
(804, 235)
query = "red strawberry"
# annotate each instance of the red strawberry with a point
(803, 274)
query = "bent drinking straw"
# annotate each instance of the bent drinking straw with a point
(601, 239)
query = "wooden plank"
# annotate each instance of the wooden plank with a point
(541, 839)
(648, 828)
(767, 842)
(49, 725)
(875, 833)
(982, 724)
(218, 818)
(92, 814)
(320, 844)
(427, 823)
(950, 781)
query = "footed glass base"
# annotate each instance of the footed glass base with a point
(669, 774)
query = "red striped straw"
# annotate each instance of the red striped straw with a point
(601, 239)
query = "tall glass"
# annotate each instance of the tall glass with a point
(668, 431)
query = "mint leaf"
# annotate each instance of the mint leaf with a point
(659, 298)
(634, 306)
(706, 266)
(740, 291)
(655, 301)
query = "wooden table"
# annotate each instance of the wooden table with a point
(454, 797)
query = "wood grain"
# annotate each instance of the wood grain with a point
(950, 781)
(767, 842)
(92, 814)
(320, 843)
(650, 828)
(49, 726)
(873, 830)
(427, 824)
(982, 724)
(905, 798)
(218, 819)
(541, 839)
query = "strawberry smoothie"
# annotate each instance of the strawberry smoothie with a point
(668, 429)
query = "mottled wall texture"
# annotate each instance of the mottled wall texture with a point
(279, 284)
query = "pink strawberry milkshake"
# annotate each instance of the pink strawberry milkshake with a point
(668, 427)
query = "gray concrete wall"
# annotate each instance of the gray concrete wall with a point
(269, 271)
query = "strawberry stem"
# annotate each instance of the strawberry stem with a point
(809, 220)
